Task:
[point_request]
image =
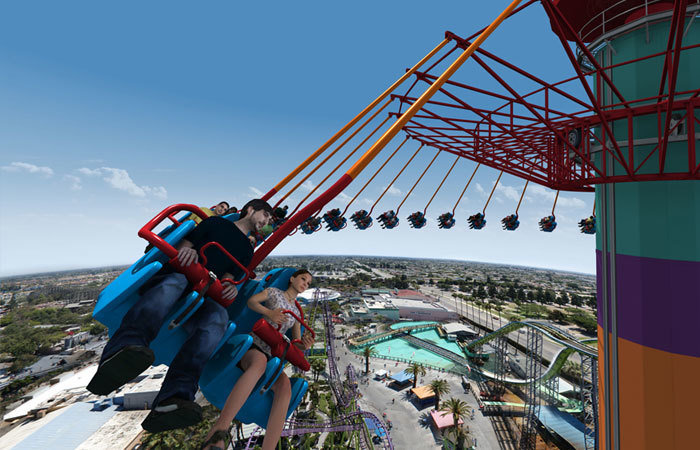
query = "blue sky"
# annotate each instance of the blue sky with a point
(111, 112)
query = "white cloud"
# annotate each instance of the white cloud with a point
(308, 186)
(26, 167)
(367, 201)
(75, 182)
(572, 202)
(343, 197)
(257, 192)
(90, 172)
(157, 192)
(480, 189)
(508, 191)
(393, 190)
(548, 194)
(121, 180)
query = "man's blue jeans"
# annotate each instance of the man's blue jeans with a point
(142, 322)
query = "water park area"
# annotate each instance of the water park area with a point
(412, 345)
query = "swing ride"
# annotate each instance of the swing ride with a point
(623, 126)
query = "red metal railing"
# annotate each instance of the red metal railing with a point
(196, 273)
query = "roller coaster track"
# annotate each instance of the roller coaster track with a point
(569, 343)
(554, 334)
(344, 394)
(375, 338)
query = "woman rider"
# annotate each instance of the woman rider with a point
(270, 303)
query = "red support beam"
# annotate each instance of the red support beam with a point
(678, 16)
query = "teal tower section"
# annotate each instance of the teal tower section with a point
(648, 251)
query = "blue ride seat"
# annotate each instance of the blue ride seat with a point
(121, 294)
(220, 374)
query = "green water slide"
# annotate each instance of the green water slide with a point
(569, 343)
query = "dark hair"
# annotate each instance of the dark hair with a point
(299, 272)
(224, 202)
(257, 205)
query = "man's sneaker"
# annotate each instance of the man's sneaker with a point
(120, 368)
(171, 414)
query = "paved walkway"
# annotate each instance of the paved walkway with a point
(410, 427)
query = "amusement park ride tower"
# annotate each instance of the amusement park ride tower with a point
(648, 240)
(633, 141)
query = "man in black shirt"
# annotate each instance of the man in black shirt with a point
(127, 354)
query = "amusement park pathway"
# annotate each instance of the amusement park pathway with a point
(410, 429)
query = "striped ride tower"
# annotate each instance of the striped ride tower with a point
(648, 267)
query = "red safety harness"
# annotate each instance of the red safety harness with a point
(280, 345)
(203, 280)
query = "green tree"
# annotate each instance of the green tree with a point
(563, 299)
(557, 316)
(576, 300)
(318, 365)
(439, 388)
(459, 410)
(549, 296)
(368, 352)
(415, 369)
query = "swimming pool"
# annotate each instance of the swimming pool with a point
(398, 348)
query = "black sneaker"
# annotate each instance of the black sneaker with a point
(171, 414)
(120, 368)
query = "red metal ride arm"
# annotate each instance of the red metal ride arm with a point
(301, 321)
(196, 273)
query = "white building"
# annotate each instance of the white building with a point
(422, 310)
(308, 295)
(456, 329)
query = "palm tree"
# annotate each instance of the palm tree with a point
(459, 410)
(415, 369)
(499, 309)
(487, 305)
(318, 365)
(368, 352)
(439, 388)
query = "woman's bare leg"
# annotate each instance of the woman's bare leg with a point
(278, 412)
(254, 363)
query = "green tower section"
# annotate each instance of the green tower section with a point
(657, 219)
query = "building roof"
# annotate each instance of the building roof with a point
(410, 293)
(308, 295)
(423, 392)
(443, 419)
(69, 381)
(411, 303)
(379, 303)
(564, 424)
(455, 327)
(402, 377)
(69, 429)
